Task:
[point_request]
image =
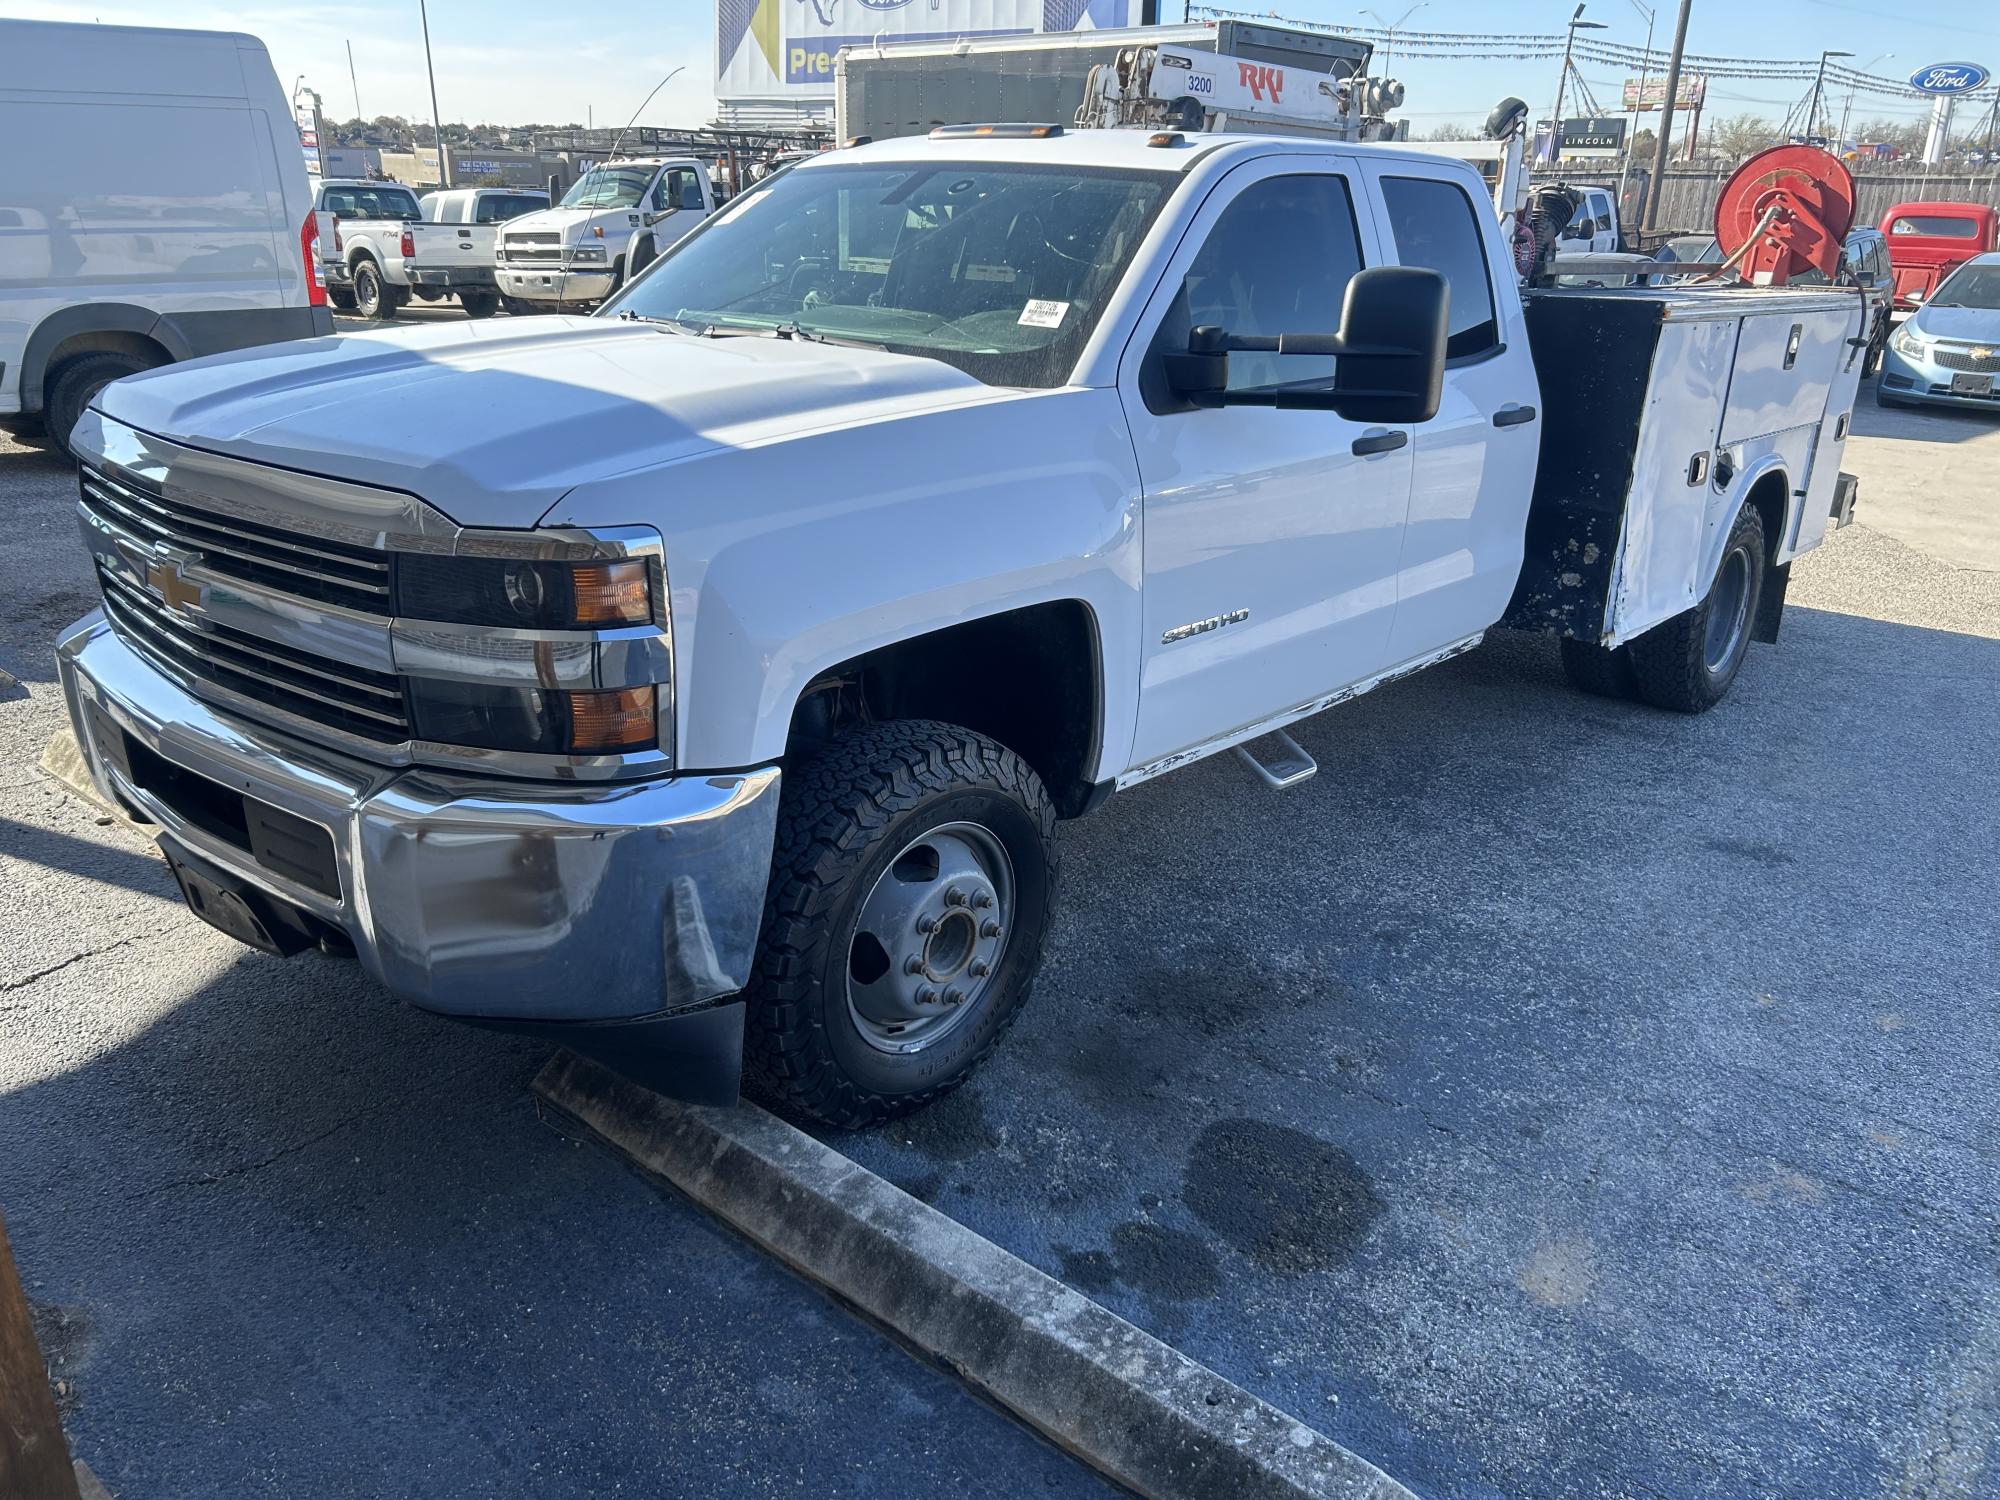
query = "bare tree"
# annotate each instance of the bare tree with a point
(1741, 135)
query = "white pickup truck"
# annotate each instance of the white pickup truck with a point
(362, 243)
(706, 678)
(452, 251)
(610, 225)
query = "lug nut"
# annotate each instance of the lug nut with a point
(989, 928)
(926, 922)
(914, 964)
(954, 996)
(979, 968)
(927, 996)
(954, 897)
(983, 900)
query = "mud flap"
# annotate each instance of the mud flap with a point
(1771, 603)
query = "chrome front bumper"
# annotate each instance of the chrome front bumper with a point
(514, 902)
(553, 285)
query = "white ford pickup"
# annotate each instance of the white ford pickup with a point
(704, 679)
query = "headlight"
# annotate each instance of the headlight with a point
(537, 720)
(1907, 341)
(593, 254)
(529, 595)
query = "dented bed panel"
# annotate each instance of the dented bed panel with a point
(1672, 498)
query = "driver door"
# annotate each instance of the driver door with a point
(1272, 537)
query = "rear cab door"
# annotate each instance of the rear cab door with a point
(1474, 462)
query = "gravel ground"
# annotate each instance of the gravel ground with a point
(285, 1237)
(1551, 1098)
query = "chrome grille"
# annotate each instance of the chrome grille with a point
(325, 571)
(349, 698)
(1973, 359)
(532, 248)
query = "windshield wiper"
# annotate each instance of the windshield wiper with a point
(675, 325)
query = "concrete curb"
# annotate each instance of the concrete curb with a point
(1141, 1412)
(63, 761)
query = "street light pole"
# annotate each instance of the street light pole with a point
(1819, 86)
(437, 121)
(1392, 27)
(1663, 145)
(1848, 108)
(1576, 23)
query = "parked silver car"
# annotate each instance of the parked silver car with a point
(1948, 352)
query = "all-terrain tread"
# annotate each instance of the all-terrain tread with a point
(837, 801)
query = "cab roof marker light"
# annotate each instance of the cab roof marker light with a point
(1166, 138)
(995, 132)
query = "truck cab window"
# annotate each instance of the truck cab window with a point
(1436, 226)
(1277, 261)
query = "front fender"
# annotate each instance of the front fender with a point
(787, 558)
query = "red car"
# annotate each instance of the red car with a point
(1928, 241)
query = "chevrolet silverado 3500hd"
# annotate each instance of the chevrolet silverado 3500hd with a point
(707, 676)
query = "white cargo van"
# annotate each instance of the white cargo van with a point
(154, 206)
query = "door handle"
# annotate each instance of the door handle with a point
(1513, 416)
(1380, 442)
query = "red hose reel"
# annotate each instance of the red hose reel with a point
(1786, 210)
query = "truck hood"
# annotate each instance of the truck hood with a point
(494, 421)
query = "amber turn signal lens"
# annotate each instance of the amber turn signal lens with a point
(608, 723)
(613, 593)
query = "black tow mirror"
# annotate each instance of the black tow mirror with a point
(1390, 352)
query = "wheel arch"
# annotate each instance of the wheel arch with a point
(1770, 498)
(108, 327)
(1030, 677)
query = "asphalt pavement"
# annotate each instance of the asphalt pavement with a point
(1554, 1097)
(1550, 1098)
(283, 1236)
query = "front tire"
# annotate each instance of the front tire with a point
(1688, 663)
(74, 384)
(911, 889)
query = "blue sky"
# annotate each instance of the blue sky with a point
(517, 60)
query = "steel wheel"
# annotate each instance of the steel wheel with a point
(929, 938)
(1728, 612)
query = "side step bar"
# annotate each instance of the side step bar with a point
(1278, 759)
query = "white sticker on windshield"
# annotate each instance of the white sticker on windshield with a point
(1042, 314)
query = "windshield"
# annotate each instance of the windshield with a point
(608, 187)
(1970, 286)
(999, 269)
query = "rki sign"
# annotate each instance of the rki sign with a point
(1263, 80)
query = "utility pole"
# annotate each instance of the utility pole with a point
(1663, 145)
(351, 78)
(1819, 87)
(1638, 104)
(437, 120)
(1392, 27)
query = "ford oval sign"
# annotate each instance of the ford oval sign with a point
(1948, 78)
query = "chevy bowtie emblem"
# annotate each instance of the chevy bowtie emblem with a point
(164, 577)
(1980, 353)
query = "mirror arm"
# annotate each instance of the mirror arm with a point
(1209, 340)
(1284, 400)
